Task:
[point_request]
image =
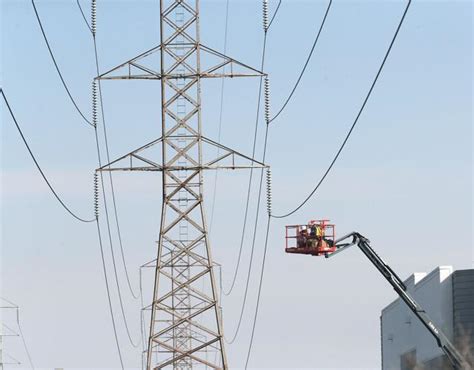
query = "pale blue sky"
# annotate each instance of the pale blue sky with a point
(404, 179)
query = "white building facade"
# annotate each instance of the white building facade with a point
(448, 298)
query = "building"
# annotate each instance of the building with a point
(448, 298)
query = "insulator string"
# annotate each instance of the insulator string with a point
(94, 103)
(265, 16)
(269, 191)
(96, 195)
(267, 100)
(93, 17)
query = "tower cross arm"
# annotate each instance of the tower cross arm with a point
(147, 67)
(139, 159)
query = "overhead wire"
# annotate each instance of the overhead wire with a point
(119, 292)
(274, 14)
(109, 232)
(104, 266)
(260, 285)
(227, 292)
(253, 247)
(355, 120)
(267, 232)
(269, 195)
(57, 67)
(92, 28)
(109, 298)
(324, 176)
(308, 59)
(221, 113)
(83, 15)
(112, 188)
(102, 254)
(249, 186)
(48, 183)
(98, 152)
(252, 250)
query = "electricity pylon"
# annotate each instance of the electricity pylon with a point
(186, 323)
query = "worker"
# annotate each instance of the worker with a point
(317, 240)
(312, 240)
(302, 237)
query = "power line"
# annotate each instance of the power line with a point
(253, 243)
(37, 164)
(254, 237)
(104, 268)
(262, 271)
(306, 63)
(228, 292)
(92, 29)
(269, 218)
(221, 111)
(83, 15)
(135, 345)
(247, 203)
(114, 202)
(98, 151)
(356, 119)
(57, 67)
(127, 329)
(266, 28)
(109, 232)
(102, 254)
(274, 14)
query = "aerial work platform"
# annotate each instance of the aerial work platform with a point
(315, 238)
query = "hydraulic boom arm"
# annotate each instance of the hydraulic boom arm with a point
(363, 243)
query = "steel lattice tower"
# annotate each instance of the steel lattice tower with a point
(186, 329)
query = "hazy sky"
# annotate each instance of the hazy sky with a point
(404, 179)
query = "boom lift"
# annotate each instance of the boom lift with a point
(318, 239)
